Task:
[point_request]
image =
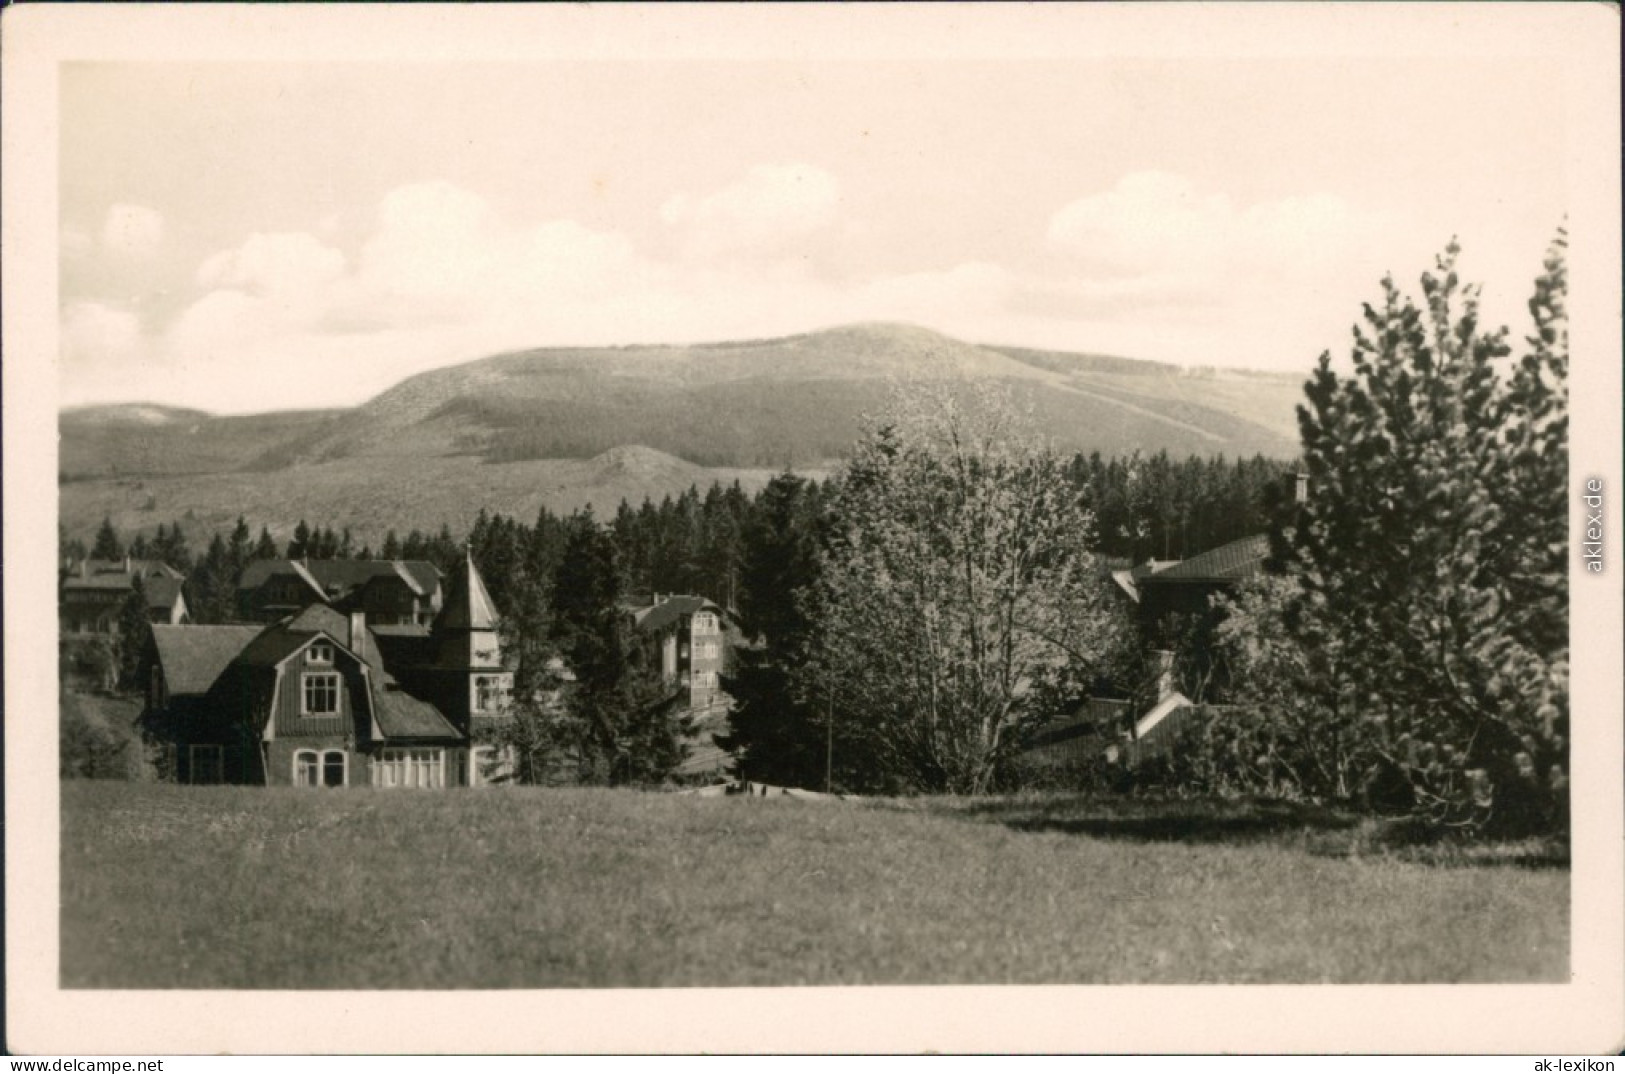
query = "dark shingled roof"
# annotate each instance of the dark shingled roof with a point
(112, 574)
(1227, 563)
(656, 617)
(400, 715)
(194, 656)
(283, 639)
(468, 606)
(337, 576)
(399, 630)
(1129, 579)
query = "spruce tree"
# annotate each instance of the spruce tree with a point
(774, 737)
(299, 544)
(264, 547)
(107, 545)
(625, 726)
(133, 628)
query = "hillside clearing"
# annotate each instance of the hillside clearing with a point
(172, 887)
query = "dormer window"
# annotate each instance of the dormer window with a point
(319, 653)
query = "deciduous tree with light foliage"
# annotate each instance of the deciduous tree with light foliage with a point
(958, 602)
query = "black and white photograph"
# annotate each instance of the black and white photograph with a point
(813, 528)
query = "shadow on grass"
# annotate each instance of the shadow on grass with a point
(1312, 829)
(1170, 822)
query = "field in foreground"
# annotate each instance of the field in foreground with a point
(174, 887)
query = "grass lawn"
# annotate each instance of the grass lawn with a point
(177, 887)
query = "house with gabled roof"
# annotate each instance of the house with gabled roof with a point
(690, 642)
(91, 592)
(391, 592)
(315, 700)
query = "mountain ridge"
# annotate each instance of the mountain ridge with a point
(683, 412)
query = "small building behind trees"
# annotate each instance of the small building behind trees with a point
(91, 592)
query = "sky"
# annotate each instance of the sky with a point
(255, 236)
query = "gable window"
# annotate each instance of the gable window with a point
(321, 694)
(206, 764)
(704, 623)
(319, 653)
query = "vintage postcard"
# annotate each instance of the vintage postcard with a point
(809, 528)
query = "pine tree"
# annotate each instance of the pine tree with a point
(170, 547)
(774, 736)
(624, 726)
(213, 585)
(1431, 547)
(240, 543)
(68, 549)
(133, 629)
(299, 544)
(392, 547)
(107, 545)
(264, 547)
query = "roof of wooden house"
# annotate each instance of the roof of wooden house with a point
(468, 605)
(1227, 563)
(192, 657)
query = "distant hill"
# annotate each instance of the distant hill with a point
(746, 408)
(144, 440)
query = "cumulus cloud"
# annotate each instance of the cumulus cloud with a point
(274, 264)
(1269, 282)
(439, 277)
(771, 205)
(433, 241)
(133, 230)
(1158, 222)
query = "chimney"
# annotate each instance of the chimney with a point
(1301, 492)
(358, 630)
(84, 567)
(1162, 663)
(126, 563)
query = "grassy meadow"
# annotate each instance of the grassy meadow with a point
(181, 887)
